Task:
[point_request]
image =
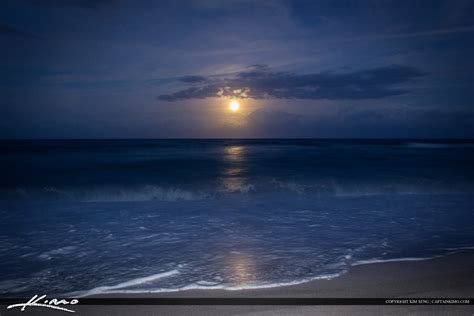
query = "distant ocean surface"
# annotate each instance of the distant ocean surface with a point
(82, 217)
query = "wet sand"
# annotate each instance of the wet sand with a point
(447, 277)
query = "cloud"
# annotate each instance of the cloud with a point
(259, 82)
(192, 79)
(7, 30)
(411, 34)
(84, 4)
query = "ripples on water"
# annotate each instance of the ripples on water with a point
(106, 216)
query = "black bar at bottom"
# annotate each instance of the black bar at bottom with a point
(261, 301)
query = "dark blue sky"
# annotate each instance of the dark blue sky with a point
(153, 69)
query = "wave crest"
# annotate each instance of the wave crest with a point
(134, 282)
(146, 193)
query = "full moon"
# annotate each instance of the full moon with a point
(234, 106)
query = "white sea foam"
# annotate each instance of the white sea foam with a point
(205, 285)
(134, 282)
(232, 186)
(456, 249)
(370, 261)
(55, 252)
(290, 186)
(208, 285)
(200, 285)
(145, 193)
(58, 192)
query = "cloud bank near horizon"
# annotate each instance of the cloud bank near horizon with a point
(260, 82)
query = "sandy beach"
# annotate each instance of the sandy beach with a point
(450, 276)
(446, 277)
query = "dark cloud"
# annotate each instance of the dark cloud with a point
(192, 79)
(260, 67)
(10, 31)
(259, 82)
(84, 4)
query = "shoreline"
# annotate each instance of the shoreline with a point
(450, 276)
(447, 269)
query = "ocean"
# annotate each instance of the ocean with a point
(82, 217)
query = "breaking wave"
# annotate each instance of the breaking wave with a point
(271, 186)
(146, 193)
(130, 283)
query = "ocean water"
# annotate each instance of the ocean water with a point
(82, 217)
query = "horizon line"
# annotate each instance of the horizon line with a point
(245, 138)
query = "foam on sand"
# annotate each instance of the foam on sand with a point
(134, 282)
